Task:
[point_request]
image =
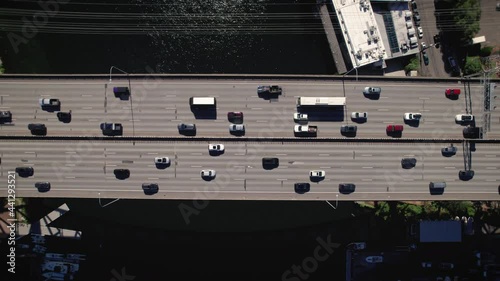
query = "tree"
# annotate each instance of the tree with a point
(412, 65)
(466, 16)
(472, 65)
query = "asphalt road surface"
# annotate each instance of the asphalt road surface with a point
(158, 106)
(84, 169)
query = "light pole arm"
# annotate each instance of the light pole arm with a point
(111, 70)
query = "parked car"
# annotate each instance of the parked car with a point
(300, 117)
(150, 188)
(420, 32)
(452, 92)
(270, 162)
(317, 174)
(372, 90)
(235, 117)
(426, 58)
(453, 64)
(162, 161)
(446, 265)
(111, 129)
(374, 259)
(394, 128)
(5, 117)
(25, 172)
(37, 129)
(359, 246)
(218, 148)
(424, 46)
(464, 119)
(359, 116)
(42, 186)
(426, 264)
(236, 128)
(302, 187)
(346, 188)
(186, 128)
(410, 116)
(408, 163)
(208, 174)
(449, 151)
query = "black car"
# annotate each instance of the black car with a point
(187, 129)
(37, 129)
(465, 175)
(121, 174)
(43, 186)
(5, 117)
(408, 163)
(150, 188)
(121, 92)
(348, 130)
(235, 117)
(346, 188)
(302, 187)
(272, 90)
(270, 163)
(472, 132)
(449, 151)
(64, 117)
(25, 172)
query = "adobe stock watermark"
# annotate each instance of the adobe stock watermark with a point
(310, 264)
(233, 169)
(31, 26)
(121, 276)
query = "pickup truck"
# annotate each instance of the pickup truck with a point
(111, 128)
(270, 90)
(305, 130)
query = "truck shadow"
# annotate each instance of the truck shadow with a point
(319, 114)
(208, 114)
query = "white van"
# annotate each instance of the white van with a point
(411, 32)
(202, 102)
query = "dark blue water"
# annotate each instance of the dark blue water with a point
(166, 36)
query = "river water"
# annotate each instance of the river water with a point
(168, 36)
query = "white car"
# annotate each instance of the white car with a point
(359, 115)
(300, 117)
(162, 160)
(216, 147)
(420, 32)
(464, 118)
(372, 90)
(409, 116)
(317, 174)
(208, 174)
(236, 128)
(374, 259)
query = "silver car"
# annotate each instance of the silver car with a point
(208, 174)
(236, 128)
(372, 91)
(359, 116)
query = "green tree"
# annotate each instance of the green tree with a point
(472, 65)
(466, 16)
(412, 65)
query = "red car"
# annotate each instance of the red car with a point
(235, 116)
(394, 128)
(452, 92)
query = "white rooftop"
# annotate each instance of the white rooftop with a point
(360, 30)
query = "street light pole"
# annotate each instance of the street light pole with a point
(130, 90)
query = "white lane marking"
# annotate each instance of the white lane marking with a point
(87, 107)
(281, 154)
(491, 168)
(383, 109)
(69, 177)
(324, 154)
(262, 121)
(256, 108)
(111, 165)
(367, 155)
(282, 179)
(450, 167)
(196, 153)
(196, 166)
(325, 167)
(87, 95)
(367, 167)
(367, 180)
(29, 152)
(153, 178)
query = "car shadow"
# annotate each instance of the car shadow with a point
(268, 96)
(316, 180)
(395, 134)
(359, 120)
(237, 134)
(122, 174)
(323, 114)
(161, 166)
(412, 123)
(215, 153)
(208, 114)
(188, 133)
(372, 96)
(348, 134)
(436, 191)
(51, 108)
(452, 97)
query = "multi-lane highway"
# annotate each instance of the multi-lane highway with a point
(84, 169)
(159, 105)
